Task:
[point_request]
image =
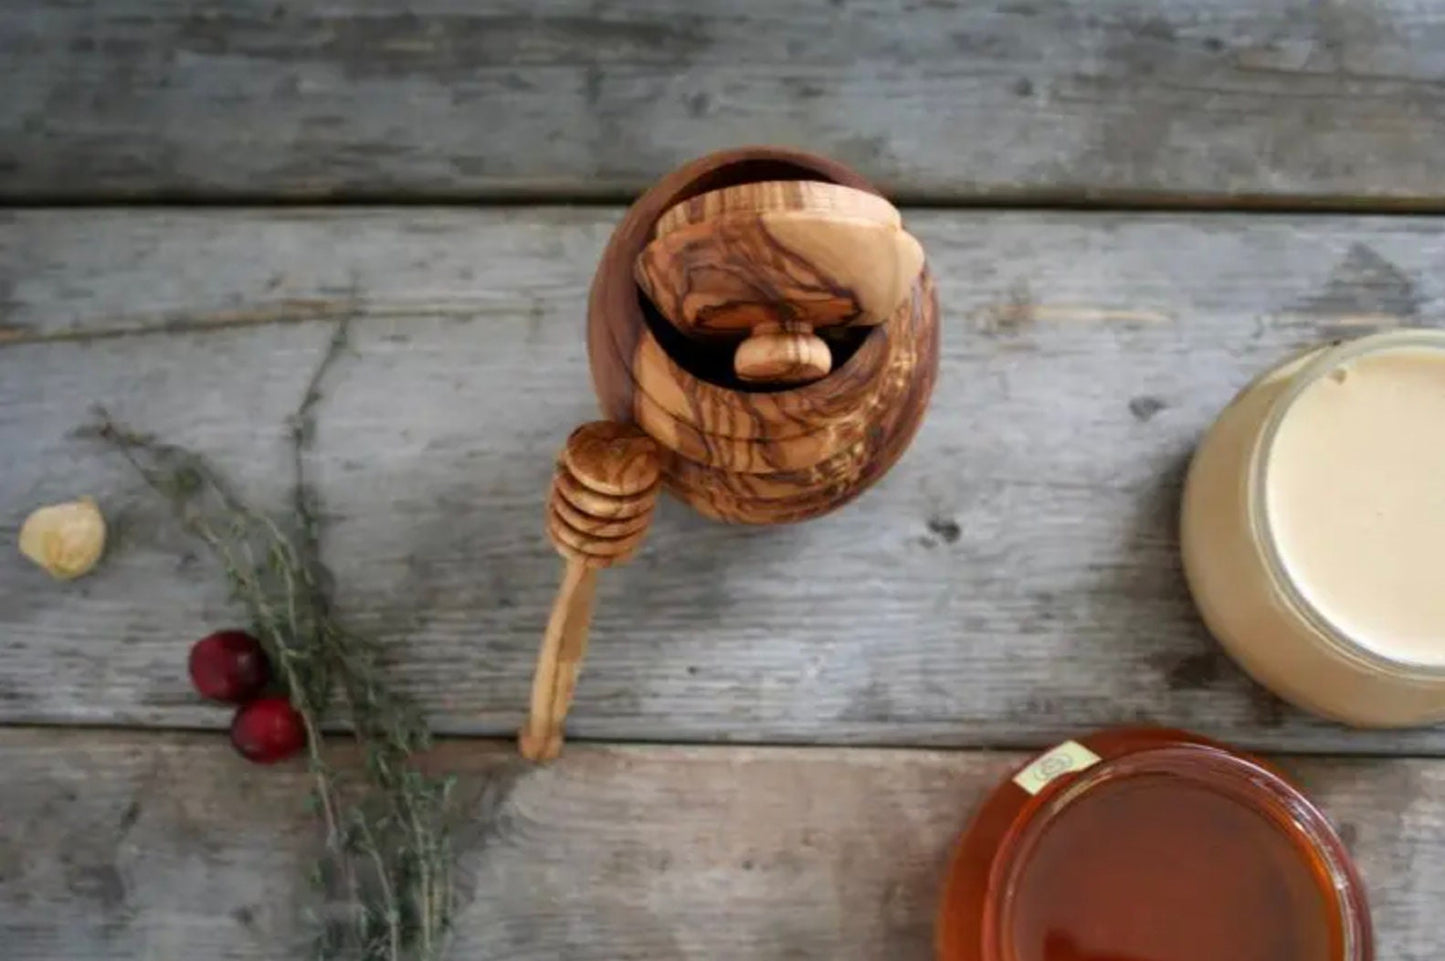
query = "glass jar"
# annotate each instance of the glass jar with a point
(1151, 845)
(1313, 528)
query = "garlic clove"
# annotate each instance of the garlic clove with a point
(64, 539)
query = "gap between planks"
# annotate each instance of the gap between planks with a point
(1048, 201)
(338, 739)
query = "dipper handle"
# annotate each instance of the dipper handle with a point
(598, 512)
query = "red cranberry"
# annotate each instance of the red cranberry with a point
(229, 666)
(268, 730)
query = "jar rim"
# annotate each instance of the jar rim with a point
(1315, 368)
(1216, 769)
(975, 896)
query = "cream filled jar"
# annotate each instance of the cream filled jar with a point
(1313, 529)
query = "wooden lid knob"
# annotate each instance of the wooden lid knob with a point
(602, 497)
(782, 354)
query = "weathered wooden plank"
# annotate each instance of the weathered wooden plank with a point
(1042, 99)
(125, 845)
(1013, 580)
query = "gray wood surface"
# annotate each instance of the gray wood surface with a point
(1014, 579)
(125, 844)
(1044, 99)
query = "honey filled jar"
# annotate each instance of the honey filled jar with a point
(1313, 529)
(1151, 845)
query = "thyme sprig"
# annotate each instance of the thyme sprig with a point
(385, 873)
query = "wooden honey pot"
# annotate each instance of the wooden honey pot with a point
(763, 339)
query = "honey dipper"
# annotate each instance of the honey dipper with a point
(598, 511)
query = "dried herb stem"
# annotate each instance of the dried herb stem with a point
(386, 867)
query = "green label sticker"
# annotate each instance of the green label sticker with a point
(1069, 756)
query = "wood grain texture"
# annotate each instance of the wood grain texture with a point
(621, 466)
(559, 661)
(931, 98)
(167, 845)
(884, 419)
(732, 274)
(611, 458)
(751, 270)
(777, 275)
(759, 196)
(616, 327)
(1014, 579)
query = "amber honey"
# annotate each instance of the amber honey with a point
(1159, 846)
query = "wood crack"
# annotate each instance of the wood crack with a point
(285, 313)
